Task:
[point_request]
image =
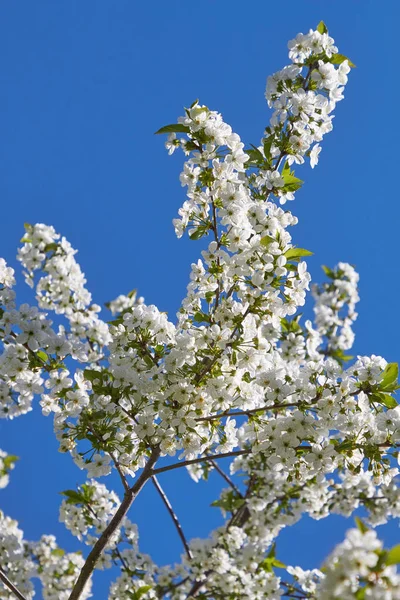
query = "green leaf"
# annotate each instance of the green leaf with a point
(51, 247)
(73, 497)
(322, 28)
(209, 297)
(199, 232)
(9, 460)
(271, 553)
(149, 363)
(271, 561)
(361, 525)
(339, 355)
(58, 552)
(393, 556)
(329, 272)
(229, 502)
(279, 564)
(267, 240)
(385, 399)
(201, 317)
(42, 355)
(175, 128)
(337, 59)
(297, 253)
(92, 374)
(346, 445)
(389, 377)
(267, 147)
(137, 594)
(292, 183)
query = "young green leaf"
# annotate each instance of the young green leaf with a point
(385, 399)
(389, 376)
(267, 240)
(393, 556)
(292, 183)
(73, 497)
(175, 128)
(297, 253)
(322, 28)
(9, 460)
(361, 525)
(199, 232)
(337, 59)
(42, 355)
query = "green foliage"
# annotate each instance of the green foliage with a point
(329, 272)
(42, 355)
(385, 399)
(199, 232)
(83, 495)
(361, 525)
(267, 240)
(8, 462)
(201, 317)
(393, 556)
(175, 128)
(337, 59)
(389, 378)
(292, 183)
(271, 561)
(229, 501)
(137, 594)
(297, 253)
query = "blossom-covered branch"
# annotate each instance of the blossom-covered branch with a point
(238, 377)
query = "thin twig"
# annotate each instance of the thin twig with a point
(194, 461)
(227, 479)
(245, 413)
(173, 516)
(11, 586)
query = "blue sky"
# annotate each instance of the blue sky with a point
(83, 86)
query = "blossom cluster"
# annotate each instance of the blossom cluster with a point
(357, 565)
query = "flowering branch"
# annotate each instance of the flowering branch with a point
(114, 524)
(11, 586)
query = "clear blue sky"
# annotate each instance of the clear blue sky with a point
(83, 86)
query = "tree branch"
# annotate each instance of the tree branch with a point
(245, 413)
(174, 518)
(11, 586)
(194, 461)
(115, 522)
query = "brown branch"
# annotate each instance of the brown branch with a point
(252, 411)
(245, 413)
(11, 586)
(194, 461)
(173, 516)
(111, 528)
